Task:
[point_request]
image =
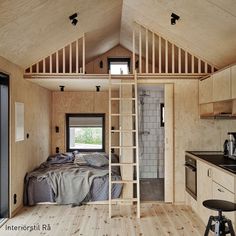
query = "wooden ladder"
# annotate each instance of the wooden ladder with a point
(132, 131)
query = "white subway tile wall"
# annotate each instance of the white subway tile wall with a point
(151, 142)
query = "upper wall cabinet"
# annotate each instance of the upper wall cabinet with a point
(222, 86)
(205, 90)
(233, 81)
(217, 94)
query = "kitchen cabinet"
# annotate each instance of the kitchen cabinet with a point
(206, 90)
(233, 81)
(215, 95)
(204, 189)
(219, 192)
(213, 183)
(224, 179)
(222, 85)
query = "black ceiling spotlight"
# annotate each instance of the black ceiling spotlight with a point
(61, 88)
(73, 19)
(174, 18)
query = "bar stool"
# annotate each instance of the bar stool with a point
(220, 221)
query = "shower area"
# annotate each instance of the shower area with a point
(151, 141)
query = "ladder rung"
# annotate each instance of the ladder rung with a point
(118, 99)
(123, 114)
(124, 200)
(122, 130)
(124, 181)
(123, 164)
(123, 146)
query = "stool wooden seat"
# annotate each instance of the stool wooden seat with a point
(220, 221)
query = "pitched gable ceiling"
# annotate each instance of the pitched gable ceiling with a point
(31, 30)
(206, 28)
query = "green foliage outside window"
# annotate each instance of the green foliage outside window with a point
(88, 135)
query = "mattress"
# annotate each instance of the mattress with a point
(39, 190)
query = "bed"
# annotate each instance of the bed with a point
(72, 178)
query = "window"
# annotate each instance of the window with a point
(119, 66)
(85, 132)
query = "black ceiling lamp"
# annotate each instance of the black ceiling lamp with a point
(73, 19)
(174, 18)
(62, 87)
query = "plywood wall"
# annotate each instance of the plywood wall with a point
(93, 67)
(192, 133)
(76, 102)
(26, 155)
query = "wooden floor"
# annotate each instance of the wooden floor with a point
(156, 219)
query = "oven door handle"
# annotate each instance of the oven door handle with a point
(192, 168)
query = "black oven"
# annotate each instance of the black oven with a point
(191, 176)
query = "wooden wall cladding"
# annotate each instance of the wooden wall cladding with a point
(27, 154)
(76, 102)
(164, 56)
(69, 59)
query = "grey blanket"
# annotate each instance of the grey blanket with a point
(72, 184)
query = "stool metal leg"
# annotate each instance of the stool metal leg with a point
(217, 228)
(231, 229)
(208, 226)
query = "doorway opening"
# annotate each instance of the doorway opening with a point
(151, 141)
(4, 147)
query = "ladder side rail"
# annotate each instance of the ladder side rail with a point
(109, 127)
(136, 144)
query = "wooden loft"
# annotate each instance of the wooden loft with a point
(158, 56)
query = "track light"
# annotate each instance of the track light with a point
(62, 87)
(73, 19)
(174, 18)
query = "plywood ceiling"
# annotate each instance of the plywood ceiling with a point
(207, 28)
(31, 30)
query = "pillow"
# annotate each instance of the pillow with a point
(79, 159)
(61, 158)
(96, 159)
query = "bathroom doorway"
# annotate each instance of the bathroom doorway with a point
(151, 141)
(4, 147)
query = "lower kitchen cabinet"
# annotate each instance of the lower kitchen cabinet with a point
(204, 189)
(213, 183)
(219, 192)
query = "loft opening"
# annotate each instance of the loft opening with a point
(85, 132)
(119, 66)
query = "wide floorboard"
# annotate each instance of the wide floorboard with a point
(156, 219)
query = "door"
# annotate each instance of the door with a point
(4, 146)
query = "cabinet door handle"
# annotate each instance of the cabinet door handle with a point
(209, 172)
(220, 190)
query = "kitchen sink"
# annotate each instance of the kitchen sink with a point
(229, 167)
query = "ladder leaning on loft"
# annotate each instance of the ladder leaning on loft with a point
(130, 132)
